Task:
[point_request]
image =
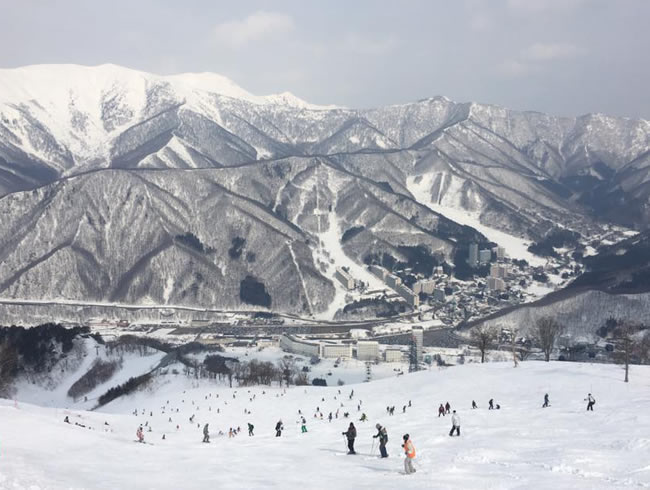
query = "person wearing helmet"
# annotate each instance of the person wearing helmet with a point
(409, 451)
(382, 434)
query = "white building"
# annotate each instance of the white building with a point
(393, 354)
(499, 270)
(418, 334)
(484, 256)
(367, 350)
(345, 278)
(425, 286)
(496, 284)
(336, 350)
(289, 343)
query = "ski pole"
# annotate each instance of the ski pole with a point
(372, 449)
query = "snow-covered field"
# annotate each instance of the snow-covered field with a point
(520, 446)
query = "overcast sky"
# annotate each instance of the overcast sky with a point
(565, 57)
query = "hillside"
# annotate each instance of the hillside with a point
(520, 445)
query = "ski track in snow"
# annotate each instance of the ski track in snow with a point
(519, 446)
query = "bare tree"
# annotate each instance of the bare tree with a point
(484, 338)
(547, 330)
(7, 363)
(287, 370)
(629, 349)
(513, 344)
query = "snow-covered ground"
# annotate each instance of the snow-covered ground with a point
(520, 446)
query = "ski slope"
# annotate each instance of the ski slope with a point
(521, 446)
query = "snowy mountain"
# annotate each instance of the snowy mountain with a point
(126, 186)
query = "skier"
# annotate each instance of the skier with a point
(474, 405)
(206, 433)
(140, 434)
(409, 451)
(455, 424)
(441, 410)
(329, 417)
(303, 427)
(351, 434)
(545, 401)
(382, 434)
(590, 402)
(363, 417)
(491, 404)
(278, 428)
(66, 420)
(447, 408)
(250, 429)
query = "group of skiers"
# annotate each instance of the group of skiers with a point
(382, 434)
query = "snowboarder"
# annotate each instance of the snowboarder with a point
(491, 404)
(278, 428)
(409, 451)
(303, 427)
(140, 434)
(545, 401)
(206, 433)
(382, 434)
(441, 410)
(250, 429)
(351, 434)
(590, 402)
(66, 420)
(474, 405)
(455, 424)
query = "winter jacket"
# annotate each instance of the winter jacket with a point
(455, 420)
(591, 399)
(351, 433)
(409, 449)
(383, 435)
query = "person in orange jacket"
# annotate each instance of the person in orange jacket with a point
(409, 451)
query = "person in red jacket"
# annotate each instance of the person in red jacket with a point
(140, 434)
(409, 451)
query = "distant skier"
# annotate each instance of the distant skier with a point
(363, 417)
(491, 404)
(206, 433)
(382, 434)
(409, 451)
(474, 405)
(455, 424)
(140, 434)
(441, 410)
(545, 401)
(278, 428)
(590, 402)
(447, 408)
(303, 427)
(351, 435)
(66, 420)
(250, 429)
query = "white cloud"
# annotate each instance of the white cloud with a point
(357, 44)
(551, 51)
(259, 25)
(514, 68)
